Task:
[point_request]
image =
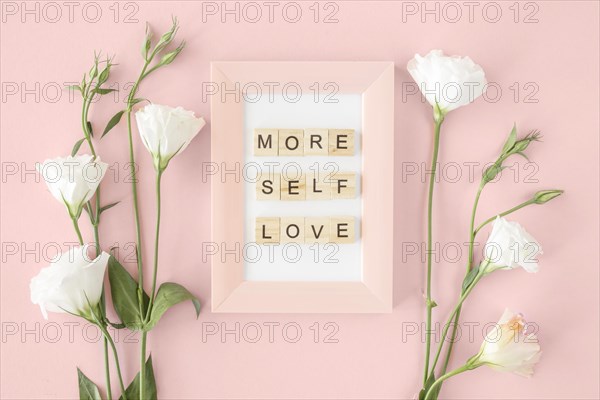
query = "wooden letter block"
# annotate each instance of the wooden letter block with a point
(293, 188)
(341, 142)
(266, 142)
(316, 229)
(343, 185)
(292, 230)
(267, 230)
(318, 186)
(291, 142)
(268, 187)
(316, 142)
(341, 230)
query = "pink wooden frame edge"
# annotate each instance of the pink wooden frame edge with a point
(230, 293)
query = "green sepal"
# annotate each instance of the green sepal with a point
(124, 293)
(469, 278)
(133, 390)
(76, 147)
(168, 295)
(512, 139)
(87, 389)
(102, 91)
(108, 206)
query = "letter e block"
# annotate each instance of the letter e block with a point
(267, 230)
(291, 142)
(266, 142)
(341, 142)
(341, 230)
(293, 188)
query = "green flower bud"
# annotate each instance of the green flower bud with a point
(545, 196)
(169, 57)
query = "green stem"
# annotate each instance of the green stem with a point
(143, 363)
(442, 378)
(436, 145)
(95, 222)
(469, 264)
(502, 214)
(138, 233)
(116, 357)
(455, 312)
(130, 98)
(77, 230)
(107, 370)
(156, 240)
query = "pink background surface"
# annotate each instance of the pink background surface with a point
(559, 54)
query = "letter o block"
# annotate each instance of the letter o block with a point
(291, 142)
(292, 230)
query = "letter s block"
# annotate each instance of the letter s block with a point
(266, 142)
(267, 187)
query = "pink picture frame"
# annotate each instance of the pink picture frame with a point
(230, 292)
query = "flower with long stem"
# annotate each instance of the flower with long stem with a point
(508, 348)
(447, 83)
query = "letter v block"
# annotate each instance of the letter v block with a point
(316, 229)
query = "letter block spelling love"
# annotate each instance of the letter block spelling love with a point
(339, 229)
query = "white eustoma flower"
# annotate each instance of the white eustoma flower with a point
(166, 131)
(447, 82)
(71, 284)
(509, 347)
(510, 246)
(73, 180)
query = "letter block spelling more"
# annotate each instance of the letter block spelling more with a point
(303, 142)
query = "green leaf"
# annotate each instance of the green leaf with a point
(113, 122)
(428, 383)
(87, 389)
(76, 147)
(124, 292)
(102, 91)
(106, 207)
(512, 139)
(470, 278)
(168, 295)
(149, 391)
